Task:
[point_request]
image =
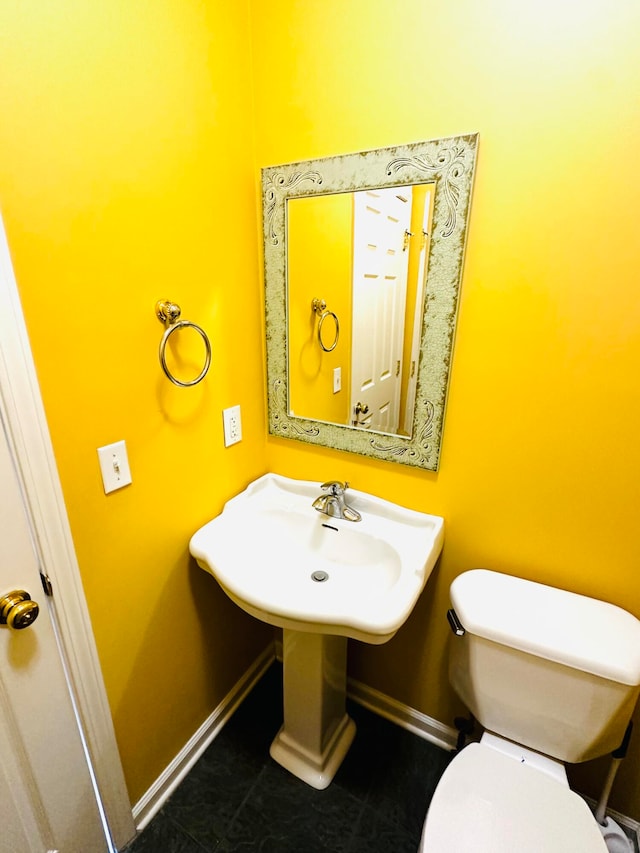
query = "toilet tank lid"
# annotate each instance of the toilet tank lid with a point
(555, 624)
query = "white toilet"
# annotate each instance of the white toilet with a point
(552, 677)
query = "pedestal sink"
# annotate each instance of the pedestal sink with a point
(322, 580)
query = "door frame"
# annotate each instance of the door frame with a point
(31, 448)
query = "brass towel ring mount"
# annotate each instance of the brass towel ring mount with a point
(169, 314)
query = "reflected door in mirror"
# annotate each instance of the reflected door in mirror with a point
(362, 253)
(381, 228)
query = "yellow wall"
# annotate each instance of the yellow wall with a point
(540, 469)
(126, 176)
(319, 267)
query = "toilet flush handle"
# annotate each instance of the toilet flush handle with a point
(456, 625)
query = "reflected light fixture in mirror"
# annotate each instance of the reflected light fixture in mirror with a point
(377, 239)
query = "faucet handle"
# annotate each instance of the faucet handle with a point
(335, 487)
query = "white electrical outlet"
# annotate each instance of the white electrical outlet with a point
(337, 379)
(114, 466)
(232, 425)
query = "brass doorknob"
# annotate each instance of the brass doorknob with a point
(18, 610)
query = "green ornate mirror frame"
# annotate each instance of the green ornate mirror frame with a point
(449, 165)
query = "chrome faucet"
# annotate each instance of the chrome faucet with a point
(333, 504)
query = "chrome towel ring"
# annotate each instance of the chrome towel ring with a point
(169, 314)
(320, 308)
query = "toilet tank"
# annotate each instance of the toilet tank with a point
(549, 669)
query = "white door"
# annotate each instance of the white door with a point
(47, 800)
(380, 258)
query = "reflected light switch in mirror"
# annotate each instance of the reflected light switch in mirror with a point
(114, 466)
(337, 379)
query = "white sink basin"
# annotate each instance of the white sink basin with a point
(322, 580)
(268, 543)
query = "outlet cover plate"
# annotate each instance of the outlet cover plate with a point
(337, 379)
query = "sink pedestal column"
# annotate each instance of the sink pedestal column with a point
(317, 731)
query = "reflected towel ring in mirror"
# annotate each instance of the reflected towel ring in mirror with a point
(320, 308)
(169, 314)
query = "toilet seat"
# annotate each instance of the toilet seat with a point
(488, 802)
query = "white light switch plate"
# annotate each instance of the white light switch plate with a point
(232, 425)
(337, 379)
(114, 466)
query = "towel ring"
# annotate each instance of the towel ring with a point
(169, 314)
(320, 308)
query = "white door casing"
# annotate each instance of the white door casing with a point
(380, 261)
(33, 511)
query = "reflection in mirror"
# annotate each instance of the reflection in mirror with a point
(366, 253)
(363, 264)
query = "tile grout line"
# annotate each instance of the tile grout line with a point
(185, 832)
(243, 802)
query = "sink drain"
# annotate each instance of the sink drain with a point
(319, 576)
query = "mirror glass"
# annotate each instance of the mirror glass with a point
(356, 270)
(363, 263)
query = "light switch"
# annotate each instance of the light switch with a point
(337, 379)
(114, 466)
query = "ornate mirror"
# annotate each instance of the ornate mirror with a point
(363, 265)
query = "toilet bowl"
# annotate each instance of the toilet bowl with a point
(553, 677)
(488, 801)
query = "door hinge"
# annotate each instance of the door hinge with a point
(47, 586)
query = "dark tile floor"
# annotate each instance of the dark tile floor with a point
(237, 798)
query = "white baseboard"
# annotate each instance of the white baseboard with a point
(396, 712)
(402, 715)
(152, 801)
(631, 826)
